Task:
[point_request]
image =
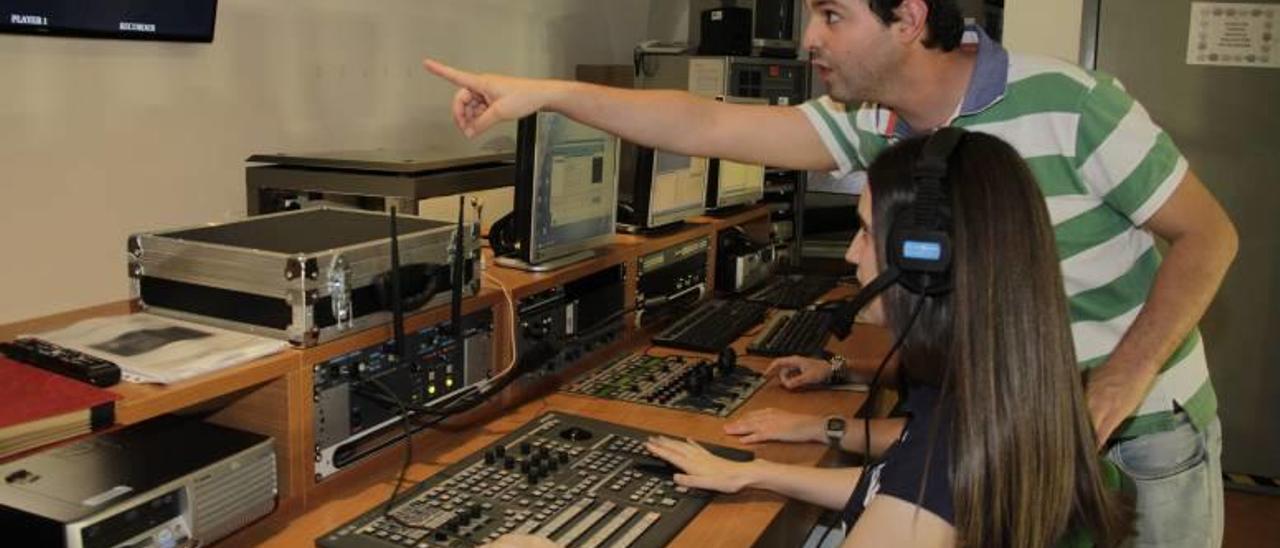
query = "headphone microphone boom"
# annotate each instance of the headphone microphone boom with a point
(845, 312)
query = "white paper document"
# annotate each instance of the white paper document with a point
(153, 349)
(1233, 34)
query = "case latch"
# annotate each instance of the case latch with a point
(339, 283)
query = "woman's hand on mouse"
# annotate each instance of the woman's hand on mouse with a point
(702, 469)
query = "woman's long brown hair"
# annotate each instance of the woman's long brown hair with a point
(1025, 468)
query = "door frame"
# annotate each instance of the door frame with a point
(1089, 34)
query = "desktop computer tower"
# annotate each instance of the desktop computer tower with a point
(775, 25)
(780, 81)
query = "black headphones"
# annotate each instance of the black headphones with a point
(919, 242)
(918, 248)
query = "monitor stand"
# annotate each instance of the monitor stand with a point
(545, 266)
(727, 211)
(655, 231)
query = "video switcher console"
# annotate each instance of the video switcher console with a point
(579, 482)
(675, 382)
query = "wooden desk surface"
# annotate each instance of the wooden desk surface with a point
(750, 512)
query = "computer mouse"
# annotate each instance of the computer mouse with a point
(654, 466)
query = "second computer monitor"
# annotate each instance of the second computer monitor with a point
(659, 188)
(732, 184)
(566, 188)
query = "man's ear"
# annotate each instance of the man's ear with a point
(911, 25)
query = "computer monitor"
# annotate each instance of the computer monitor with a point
(187, 21)
(659, 188)
(566, 191)
(732, 184)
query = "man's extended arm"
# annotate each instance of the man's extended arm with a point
(675, 121)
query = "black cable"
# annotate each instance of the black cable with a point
(408, 444)
(408, 433)
(539, 354)
(529, 361)
(874, 388)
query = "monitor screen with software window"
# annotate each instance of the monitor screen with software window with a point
(566, 187)
(731, 184)
(659, 188)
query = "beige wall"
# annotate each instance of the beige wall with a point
(1047, 27)
(100, 139)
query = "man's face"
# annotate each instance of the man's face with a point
(853, 51)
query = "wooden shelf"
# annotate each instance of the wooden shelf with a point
(139, 402)
(625, 249)
(736, 217)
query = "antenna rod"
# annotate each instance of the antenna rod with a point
(455, 296)
(397, 298)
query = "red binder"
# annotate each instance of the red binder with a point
(38, 407)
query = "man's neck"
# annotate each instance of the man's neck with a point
(931, 87)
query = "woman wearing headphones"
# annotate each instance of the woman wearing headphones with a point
(997, 450)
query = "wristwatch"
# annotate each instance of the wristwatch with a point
(837, 369)
(835, 431)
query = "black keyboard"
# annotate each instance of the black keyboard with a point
(800, 333)
(712, 326)
(794, 291)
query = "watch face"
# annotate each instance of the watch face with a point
(835, 424)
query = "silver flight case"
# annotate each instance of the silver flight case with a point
(306, 276)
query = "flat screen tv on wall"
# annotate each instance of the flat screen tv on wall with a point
(171, 20)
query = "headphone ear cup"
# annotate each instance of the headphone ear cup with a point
(919, 242)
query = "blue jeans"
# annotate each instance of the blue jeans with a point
(1178, 475)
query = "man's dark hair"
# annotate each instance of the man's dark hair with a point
(944, 22)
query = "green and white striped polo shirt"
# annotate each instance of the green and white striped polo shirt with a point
(1104, 167)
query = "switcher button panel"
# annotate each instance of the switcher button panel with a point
(675, 382)
(576, 481)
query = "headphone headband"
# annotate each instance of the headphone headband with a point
(929, 173)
